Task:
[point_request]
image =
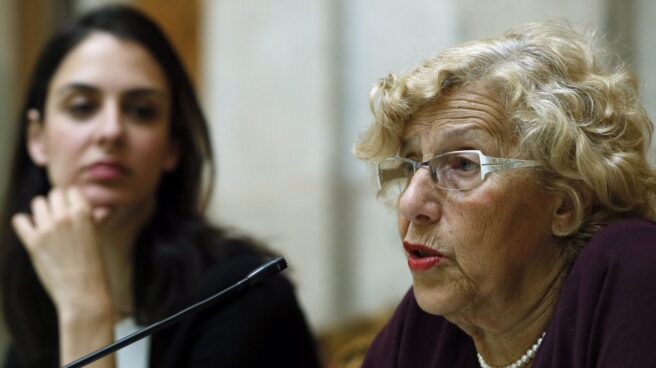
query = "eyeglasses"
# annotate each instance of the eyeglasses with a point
(456, 170)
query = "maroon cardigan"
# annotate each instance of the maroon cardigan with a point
(605, 316)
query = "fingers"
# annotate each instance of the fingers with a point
(76, 199)
(24, 228)
(100, 214)
(58, 203)
(59, 207)
(51, 211)
(41, 212)
(54, 208)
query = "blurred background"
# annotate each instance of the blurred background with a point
(285, 84)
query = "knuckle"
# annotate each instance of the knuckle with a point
(61, 220)
(38, 200)
(38, 239)
(79, 209)
(47, 229)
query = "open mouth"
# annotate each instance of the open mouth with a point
(421, 254)
(421, 257)
(419, 250)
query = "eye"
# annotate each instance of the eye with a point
(142, 111)
(81, 107)
(465, 164)
(460, 163)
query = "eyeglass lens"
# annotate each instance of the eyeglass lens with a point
(454, 171)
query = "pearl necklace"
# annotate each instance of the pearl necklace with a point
(519, 363)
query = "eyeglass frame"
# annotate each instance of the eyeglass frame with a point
(488, 164)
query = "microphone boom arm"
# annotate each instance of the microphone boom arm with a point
(259, 274)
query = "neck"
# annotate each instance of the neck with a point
(118, 235)
(513, 329)
(522, 361)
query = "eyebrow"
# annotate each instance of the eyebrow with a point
(77, 87)
(89, 88)
(447, 134)
(144, 92)
(461, 131)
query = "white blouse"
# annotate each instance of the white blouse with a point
(136, 354)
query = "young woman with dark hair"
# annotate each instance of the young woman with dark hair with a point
(103, 228)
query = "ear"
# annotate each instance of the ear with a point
(172, 157)
(569, 209)
(36, 143)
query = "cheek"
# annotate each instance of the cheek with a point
(478, 227)
(403, 225)
(508, 227)
(152, 152)
(62, 141)
(472, 217)
(64, 150)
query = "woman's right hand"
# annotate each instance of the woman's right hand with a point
(61, 239)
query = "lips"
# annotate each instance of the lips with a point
(106, 170)
(421, 257)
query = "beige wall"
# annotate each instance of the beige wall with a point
(286, 88)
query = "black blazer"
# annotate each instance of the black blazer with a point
(261, 327)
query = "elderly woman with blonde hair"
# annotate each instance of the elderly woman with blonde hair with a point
(518, 167)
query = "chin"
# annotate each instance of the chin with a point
(105, 198)
(433, 300)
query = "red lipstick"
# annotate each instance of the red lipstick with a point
(421, 257)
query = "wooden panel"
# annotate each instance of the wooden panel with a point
(37, 19)
(180, 19)
(36, 22)
(34, 26)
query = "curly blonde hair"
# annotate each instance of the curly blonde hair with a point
(573, 108)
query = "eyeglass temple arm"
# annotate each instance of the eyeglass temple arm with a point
(492, 164)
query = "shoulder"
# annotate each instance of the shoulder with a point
(618, 263)
(604, 316)
(625, 232)
(233, 261)
(259, 325)
(272, 292)
(226, 257)
(623, 247)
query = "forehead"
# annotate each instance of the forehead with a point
(107, 62)
(463, 117)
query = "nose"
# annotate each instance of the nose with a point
(110, 128)
(419, 203)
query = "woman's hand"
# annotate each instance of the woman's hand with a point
(61, 238)
(62, 241)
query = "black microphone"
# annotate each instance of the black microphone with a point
(259, 274)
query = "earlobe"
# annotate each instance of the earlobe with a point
(563, 214)
(36, 145)
(568, 211)
(172, 157)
